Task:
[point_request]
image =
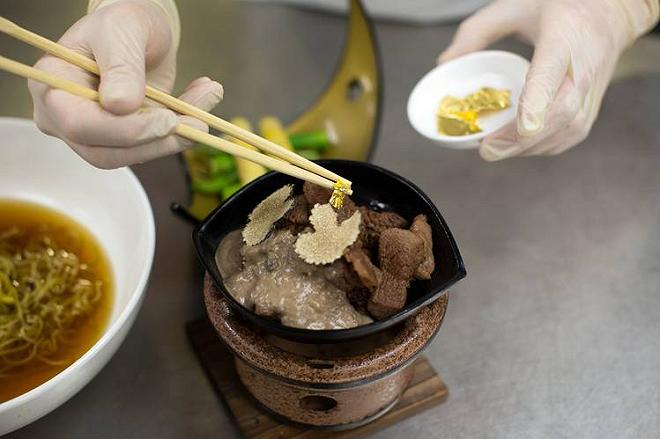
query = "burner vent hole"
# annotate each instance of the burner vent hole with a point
(317, 403)
(320, 364)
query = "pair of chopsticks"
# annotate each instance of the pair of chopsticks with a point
(287, 161)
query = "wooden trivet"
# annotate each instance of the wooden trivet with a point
(426, 390)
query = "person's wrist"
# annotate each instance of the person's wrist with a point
(640, 15)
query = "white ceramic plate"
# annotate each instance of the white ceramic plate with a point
(115, 208)
(460, 77)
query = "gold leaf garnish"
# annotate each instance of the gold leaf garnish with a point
(459, 116)
(328, 241)
(262, 218)
(338, 193)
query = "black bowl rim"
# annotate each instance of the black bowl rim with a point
(333, 335)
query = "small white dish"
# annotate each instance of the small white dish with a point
(460, 77)
(110, 204)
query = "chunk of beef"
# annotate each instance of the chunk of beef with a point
(368, 273)
(421, 228)
(400, 253)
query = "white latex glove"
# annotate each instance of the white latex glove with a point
(577, 44)
(131, 41)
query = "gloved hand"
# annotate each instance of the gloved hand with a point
(131, 40)
(576, 47)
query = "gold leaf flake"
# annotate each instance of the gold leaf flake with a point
(338, 193)
(459, 116)
(262, 218)
(328, 241)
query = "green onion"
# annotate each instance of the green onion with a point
(213, 185)
(318, 140)
(221, 164)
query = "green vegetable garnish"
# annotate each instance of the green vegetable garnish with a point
(220, 164)
(213, 185)
(318, 140)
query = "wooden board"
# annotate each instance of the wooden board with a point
(426, 390)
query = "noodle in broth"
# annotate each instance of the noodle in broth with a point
(54, 295)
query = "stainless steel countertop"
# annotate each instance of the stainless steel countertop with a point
(555, 333)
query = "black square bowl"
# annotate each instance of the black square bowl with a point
(372, 186)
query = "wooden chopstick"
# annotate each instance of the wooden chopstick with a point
(12, 29)
(182, 130)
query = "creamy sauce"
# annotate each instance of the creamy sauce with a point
(271, 279)
(73, 237)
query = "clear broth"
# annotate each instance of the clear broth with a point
(73, 237)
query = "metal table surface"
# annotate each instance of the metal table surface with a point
(556, 330)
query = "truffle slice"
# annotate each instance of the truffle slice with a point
(329, 239)
(421, 228)
(266, 214)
